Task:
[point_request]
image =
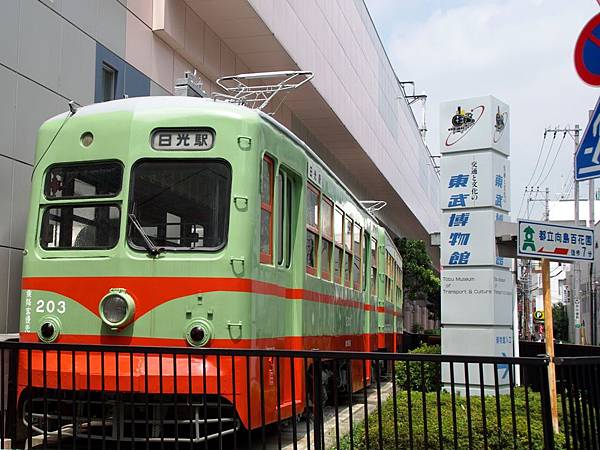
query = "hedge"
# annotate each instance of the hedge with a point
(431, 371)
(497, 438)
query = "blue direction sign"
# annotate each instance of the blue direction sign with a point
(587, 158)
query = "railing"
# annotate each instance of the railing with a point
(83, 396)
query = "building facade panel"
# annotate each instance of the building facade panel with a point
(35, 104)
(39, 41)
(15, 264)
(354, 100)
(8, 105)
(82, 13)
(111, 26)
(21, 190)
(9, 28)
(4, 294)
(6, 174)
(76, 73)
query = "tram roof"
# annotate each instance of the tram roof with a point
(141, 104)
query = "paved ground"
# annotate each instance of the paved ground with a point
(330, 422)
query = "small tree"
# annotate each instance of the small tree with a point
(420, 280)
(560, 320)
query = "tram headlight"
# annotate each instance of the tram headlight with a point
(198, 332)
(49, 329)
(116, 309)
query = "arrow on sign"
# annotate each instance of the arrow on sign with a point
(503, 367)
(556, 251)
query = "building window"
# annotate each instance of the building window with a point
(338, 228)
(266, 211)
(109, 82)
(312, 228)
(327, 242)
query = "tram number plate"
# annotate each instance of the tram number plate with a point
(182, 139)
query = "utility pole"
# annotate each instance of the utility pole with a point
(547, 205)
(576, 291)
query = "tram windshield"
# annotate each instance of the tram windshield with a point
(180, 205)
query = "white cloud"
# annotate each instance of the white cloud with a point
(521, 51)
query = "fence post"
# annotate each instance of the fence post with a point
(11, 397)
(318, 405)
(546, 406)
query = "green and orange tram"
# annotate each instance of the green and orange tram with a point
(189, 222)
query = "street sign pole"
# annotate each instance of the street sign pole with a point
(549, 338)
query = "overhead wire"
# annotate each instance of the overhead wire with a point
(533, 172)
(537, 182)
(555, 159)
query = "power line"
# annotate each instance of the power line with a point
(537, 182)
(532, 173)
(555, 158)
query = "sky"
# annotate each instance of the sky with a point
(520, 51)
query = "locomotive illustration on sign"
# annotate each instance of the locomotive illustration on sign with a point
(462, 122)
(190, 222)
(475, 124)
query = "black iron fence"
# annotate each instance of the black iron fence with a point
(83, 396)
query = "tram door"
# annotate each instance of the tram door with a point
(286, 214)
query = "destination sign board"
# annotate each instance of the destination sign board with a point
(182, 139)
(539, 240)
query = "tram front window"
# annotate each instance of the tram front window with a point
(80, 227)
(180, 205)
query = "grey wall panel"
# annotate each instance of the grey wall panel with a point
(82, 13)
(157, 90)
(78, 51)
(5, 201)
(111, 26)
(15, 272)
(8, 106)
(9, 29)
(4, 295)
(35, 104)
(39, 43)
(54, 4)
(21, 190)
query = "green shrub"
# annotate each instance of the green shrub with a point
(497, 438)
(433, 332)
(431, 371)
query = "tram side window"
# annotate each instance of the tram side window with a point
(284, 219)
(348, 227)
(280, 218)
(373, 266)
(327, 242)
(388, 276)
(266, 211)
(312, 228)
(338, 226)
(398, 285)
(356, 256)
(365, 252)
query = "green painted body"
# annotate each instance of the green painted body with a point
(122, 132)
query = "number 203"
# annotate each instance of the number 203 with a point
(50, 307)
